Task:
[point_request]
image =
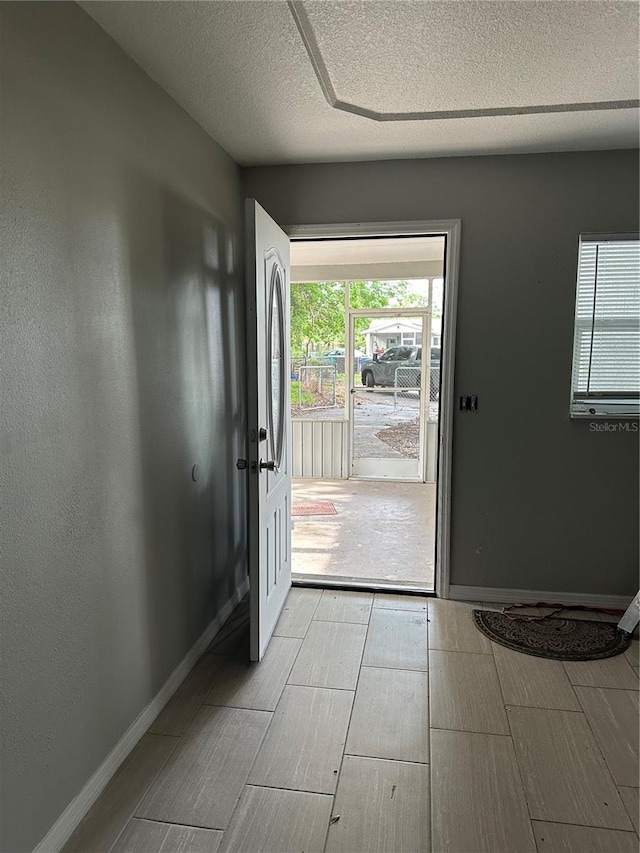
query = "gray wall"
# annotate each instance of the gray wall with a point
(122, 358)
(538, 501)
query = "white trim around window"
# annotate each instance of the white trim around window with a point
(605, 376)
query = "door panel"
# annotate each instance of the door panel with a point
(388, 432)
(269, 423)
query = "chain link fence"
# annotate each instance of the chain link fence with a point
(317, 387)
(407, 388)
(434, 384)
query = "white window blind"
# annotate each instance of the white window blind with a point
(606, 348)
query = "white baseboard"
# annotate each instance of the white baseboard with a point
(62, 829)
(511, 596)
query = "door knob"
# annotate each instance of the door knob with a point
(268, 466)
(241, 464)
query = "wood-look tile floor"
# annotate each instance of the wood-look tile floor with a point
(379, 724)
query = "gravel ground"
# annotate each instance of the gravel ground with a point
(404, 438)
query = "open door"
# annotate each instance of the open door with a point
(269, 423)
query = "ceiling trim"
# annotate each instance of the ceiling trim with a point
(296, 7)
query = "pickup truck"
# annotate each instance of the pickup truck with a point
(381, 370)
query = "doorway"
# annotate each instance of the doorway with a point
(366, 413)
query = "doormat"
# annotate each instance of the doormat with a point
(321, 508)
(552, 637)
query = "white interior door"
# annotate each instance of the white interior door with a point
(269, 423)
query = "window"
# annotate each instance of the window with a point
(403, 353)
(389, 355)
(606, 347)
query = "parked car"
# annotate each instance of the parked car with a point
(336, 357)
(340, 352)
(381, 370)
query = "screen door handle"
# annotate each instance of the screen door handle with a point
(268, 466)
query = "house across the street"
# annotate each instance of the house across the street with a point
(403, 331)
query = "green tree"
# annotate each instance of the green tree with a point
(318, 312)
(317, 315)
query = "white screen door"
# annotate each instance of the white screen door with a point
(392, 395)
(269, 423)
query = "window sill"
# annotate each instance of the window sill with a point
(595, 416)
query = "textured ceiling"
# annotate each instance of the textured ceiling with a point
(494, 57)
(278, 82)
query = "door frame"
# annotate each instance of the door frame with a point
(424, 314)
(451, 229)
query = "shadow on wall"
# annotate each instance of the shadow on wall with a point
(188, 330)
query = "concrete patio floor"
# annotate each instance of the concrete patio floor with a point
(383, 532)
